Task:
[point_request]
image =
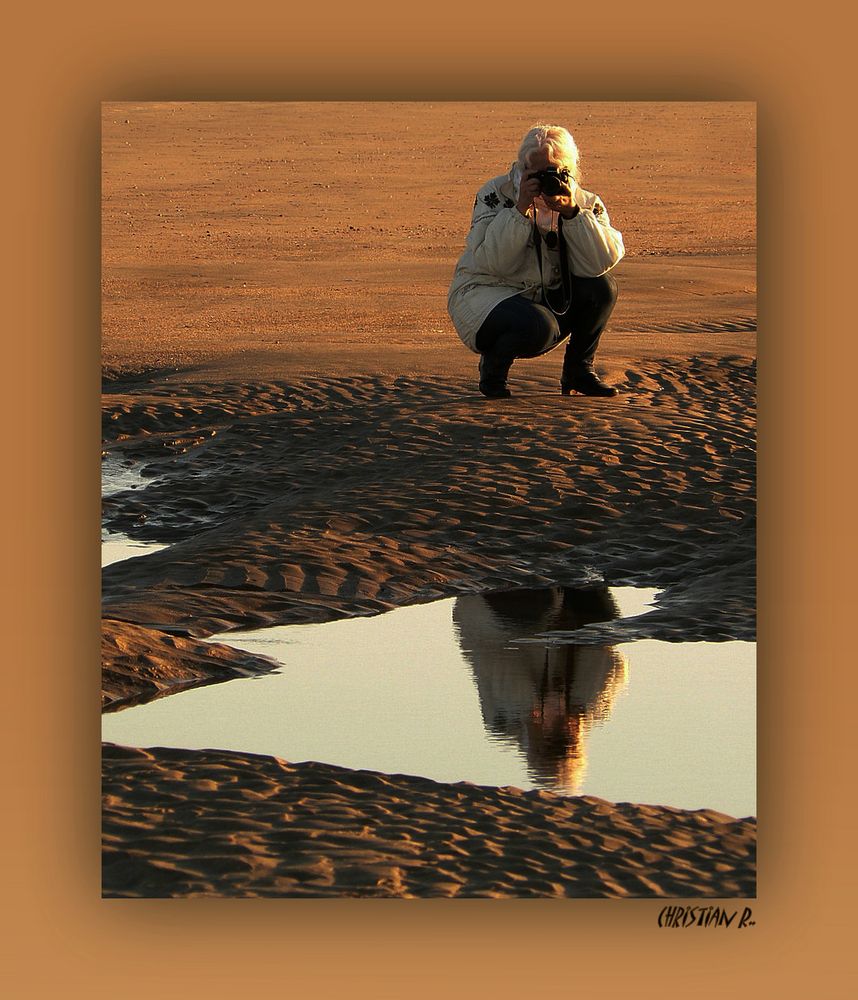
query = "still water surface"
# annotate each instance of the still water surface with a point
(118, 474)
(116, 546)
(443, 690)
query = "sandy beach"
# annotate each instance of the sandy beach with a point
(278, 358)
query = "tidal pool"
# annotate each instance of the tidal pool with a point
(119, 474)
(115, 547)
(446, 691)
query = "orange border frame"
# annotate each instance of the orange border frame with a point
(59, 936)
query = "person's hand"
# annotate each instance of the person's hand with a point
(527, 191)
(563, 203)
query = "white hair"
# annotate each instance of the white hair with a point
(558, 139)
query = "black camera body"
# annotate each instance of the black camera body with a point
(553, 181)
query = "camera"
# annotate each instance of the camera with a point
(553, 181)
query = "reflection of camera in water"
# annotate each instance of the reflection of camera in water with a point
(553, 181)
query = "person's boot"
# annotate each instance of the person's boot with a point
(493, 373)
(583, 379)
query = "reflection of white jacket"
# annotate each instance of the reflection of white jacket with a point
(510, 677)
(500, 259)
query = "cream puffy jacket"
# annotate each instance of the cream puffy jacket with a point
(500, 258)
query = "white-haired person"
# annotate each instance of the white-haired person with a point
(535, 268)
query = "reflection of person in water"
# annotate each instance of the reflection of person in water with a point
(544, 698)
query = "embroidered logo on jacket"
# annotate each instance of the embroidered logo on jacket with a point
(491, 199)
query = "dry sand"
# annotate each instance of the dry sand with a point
(276, 349)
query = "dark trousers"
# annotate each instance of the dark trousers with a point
(521, 328)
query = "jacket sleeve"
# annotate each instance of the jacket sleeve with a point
(594, 246)
(498, 240)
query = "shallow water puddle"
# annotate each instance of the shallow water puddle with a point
(115, 547)
(117, 475)
(443, 690)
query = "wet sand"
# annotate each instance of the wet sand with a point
(291, 382)
(211, 823)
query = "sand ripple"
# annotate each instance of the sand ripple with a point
(211, 823)
(336, 496)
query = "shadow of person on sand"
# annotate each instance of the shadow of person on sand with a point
(542, 699)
